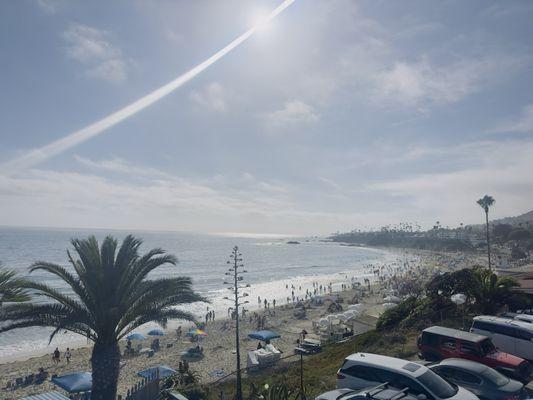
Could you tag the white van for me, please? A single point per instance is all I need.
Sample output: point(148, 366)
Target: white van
point(509, 335)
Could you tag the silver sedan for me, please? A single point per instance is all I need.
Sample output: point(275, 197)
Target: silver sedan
point(479, 379)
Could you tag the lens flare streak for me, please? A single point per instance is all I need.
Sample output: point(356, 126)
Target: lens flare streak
point(59, 146)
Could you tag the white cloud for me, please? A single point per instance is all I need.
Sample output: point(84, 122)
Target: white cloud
point(293, 112)
point(49, 6)
point(498, 168)
point(423, 82)
point(523, 124)
point(213, 97)
point(92, 48)
point(118, 165)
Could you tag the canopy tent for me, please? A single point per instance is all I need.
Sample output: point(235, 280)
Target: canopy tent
point(47, 396)
point(156, 332)
point(392, 299)
point(74, 383)
point(163, 370)
point(264, 335)
point(136, 336)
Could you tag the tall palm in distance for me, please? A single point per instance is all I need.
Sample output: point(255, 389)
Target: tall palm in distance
point(111, 297)
point(485, 203)
point(10, 287)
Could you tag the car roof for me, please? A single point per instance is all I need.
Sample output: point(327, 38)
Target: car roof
point(456, 333)
point(524, 316)
point(390, 363)
point(505, 321)
point(464, 364)
point(386, 393)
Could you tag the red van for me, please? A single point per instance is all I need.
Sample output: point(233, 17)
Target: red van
point(437, 343)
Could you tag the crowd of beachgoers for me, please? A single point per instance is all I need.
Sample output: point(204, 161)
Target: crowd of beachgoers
point(218, 341)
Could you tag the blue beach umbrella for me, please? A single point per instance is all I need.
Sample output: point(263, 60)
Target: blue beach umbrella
point(74, 383)
point(156, 332)
point(136, 336)
point(164, 372)
point(264, 335)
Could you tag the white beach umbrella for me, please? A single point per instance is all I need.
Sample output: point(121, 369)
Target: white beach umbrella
point(392, 299)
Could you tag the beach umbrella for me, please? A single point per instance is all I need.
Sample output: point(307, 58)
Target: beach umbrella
point(156, 332)
point(198, 332)
point(74, 383)
point(264, 335)
point(388, 306)
point(342, 317)
point(356, 307)
point(136, 336)
point(164, 371)
point(392, 299)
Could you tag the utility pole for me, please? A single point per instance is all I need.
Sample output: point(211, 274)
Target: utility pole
point(235, 278)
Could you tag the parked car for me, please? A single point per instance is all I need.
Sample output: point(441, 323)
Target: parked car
point(510, 335)
point(524, 318)
point(485, 382)
point(437, 343)
point(380, 392)
point(361, 370)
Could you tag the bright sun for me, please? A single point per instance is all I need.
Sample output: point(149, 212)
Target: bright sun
point(259, 20)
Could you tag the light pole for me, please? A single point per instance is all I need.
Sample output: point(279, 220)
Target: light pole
point(235, 276)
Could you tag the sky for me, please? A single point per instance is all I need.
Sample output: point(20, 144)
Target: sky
point(338, 114)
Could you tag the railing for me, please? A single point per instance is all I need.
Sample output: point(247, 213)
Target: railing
point(147, 389)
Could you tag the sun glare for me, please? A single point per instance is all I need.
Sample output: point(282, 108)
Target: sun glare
point(260, 20)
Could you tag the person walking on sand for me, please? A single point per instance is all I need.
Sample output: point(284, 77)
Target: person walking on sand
point(57, 356)
point(68, 354)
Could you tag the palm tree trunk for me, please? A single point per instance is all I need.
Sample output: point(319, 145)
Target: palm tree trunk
point(105, 363)
point(488, 236)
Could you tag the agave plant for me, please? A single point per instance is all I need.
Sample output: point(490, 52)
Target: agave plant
point(111, 296)
point(274, 392)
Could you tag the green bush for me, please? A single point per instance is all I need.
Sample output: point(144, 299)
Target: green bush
point(392, 317)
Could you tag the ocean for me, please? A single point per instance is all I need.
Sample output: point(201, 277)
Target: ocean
point(271, 263)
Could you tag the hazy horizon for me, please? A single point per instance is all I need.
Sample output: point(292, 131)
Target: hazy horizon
point(335, 115)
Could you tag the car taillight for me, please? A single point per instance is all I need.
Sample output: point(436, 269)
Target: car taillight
point(340, 376)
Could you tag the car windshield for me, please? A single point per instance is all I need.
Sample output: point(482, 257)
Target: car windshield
point(437, 385)
point(487, 346)
point(495, 377)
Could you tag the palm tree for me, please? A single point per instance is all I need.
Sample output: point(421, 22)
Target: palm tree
point(485, 203)
point(111, 296)
point(489, 290)
point(10, 287)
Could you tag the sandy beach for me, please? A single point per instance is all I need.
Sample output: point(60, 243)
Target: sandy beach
point(219, 345)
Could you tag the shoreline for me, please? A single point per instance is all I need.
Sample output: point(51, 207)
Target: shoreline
point(219, 345)
point(29, 349)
